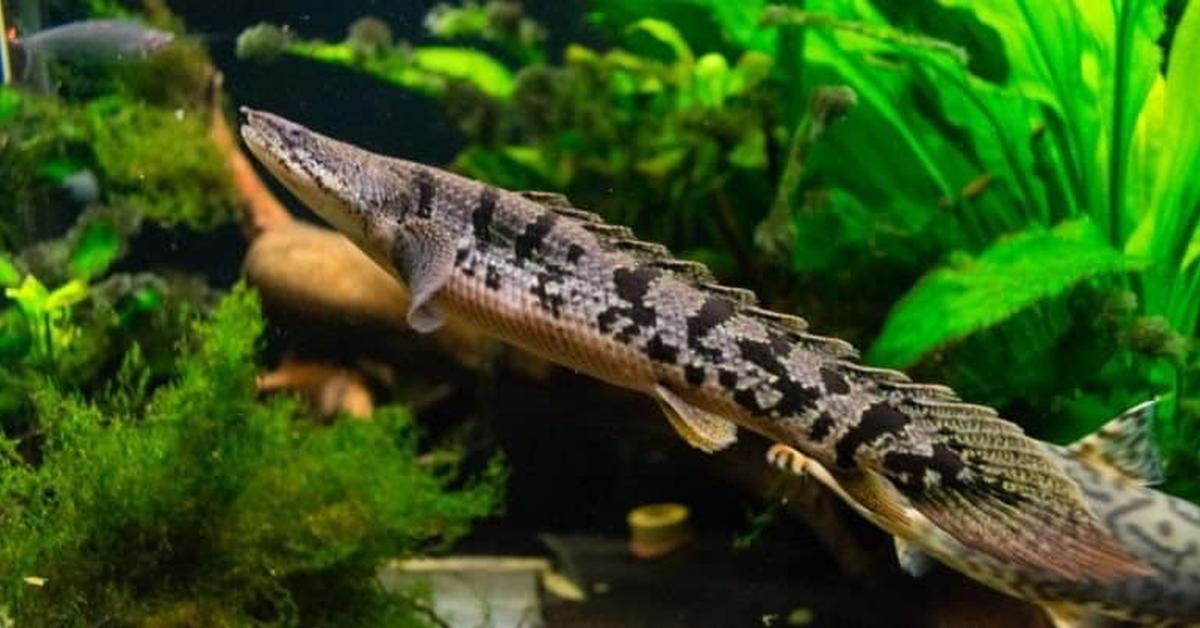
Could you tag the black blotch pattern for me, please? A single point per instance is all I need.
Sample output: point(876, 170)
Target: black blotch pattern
point(712, 313)
point(835, 383)
point(532, 237)
point(485, 212)
point(876, 421)
point(746, 398)
point(575, 253)
point(660, 351)
point(460, 256)
point(727, 378)
point(632, 285)
point(491, 278)
point(909, 469)
point(693, 374)
point(425, 192)
point(552, 301)
point(795, 398)
point(821, 427)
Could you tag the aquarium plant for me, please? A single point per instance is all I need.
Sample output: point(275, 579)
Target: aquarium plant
point(196, 503)
point(145, 480)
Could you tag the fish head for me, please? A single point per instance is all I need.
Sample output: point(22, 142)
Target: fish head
point(367, 197)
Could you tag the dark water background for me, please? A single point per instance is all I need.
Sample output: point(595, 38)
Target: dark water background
point(347, 105)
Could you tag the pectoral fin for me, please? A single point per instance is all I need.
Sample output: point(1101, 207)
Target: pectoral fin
point(424, 257)
point(786, 458)
point(701, 429)
point(913, 561)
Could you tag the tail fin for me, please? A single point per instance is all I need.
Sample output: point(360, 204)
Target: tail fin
point(996, 490)
point(1125, 445)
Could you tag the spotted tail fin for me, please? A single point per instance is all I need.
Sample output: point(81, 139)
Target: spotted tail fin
point(1125, 445)
point(995, 489)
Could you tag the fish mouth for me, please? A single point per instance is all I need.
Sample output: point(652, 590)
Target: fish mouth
point(263, 134)
point(283, 148)
point(307, 164)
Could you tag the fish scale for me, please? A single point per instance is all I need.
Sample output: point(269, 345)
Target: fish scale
point(554, 280)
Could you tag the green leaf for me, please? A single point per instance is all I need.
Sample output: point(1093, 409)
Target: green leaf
point(9, 275)
point(712, 81)
point(664, 37)
point(66, 295)
point(710, 24)
point(466, 64)
point(951, 303)
point(58, 169)
point(425, 70)
point(1167, 235)
point(30, 296)
point(751, 152)
point(98, 246)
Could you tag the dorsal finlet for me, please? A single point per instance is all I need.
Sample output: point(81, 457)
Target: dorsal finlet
point(741, 295)
point(835, 347)
point(876, 373)
point(788, 321)
point(652, 250)
point(548, 199)
point(694, 271)
point(1125, 444)
point(608, 230)
point(933, 391)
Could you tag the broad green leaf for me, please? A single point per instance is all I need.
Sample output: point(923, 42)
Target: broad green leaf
point(1091, 66)
point(424, 69)
point(66, 295)
point(97, 247)
point(1170, 227)
point(1150, 140)
point(30, 296)
point(951, 303)
point(466, 64)
point(9, 275)
point(712, 81)
point(664, 37)
point(58, 169)
point(711, 25)
point(751, 152)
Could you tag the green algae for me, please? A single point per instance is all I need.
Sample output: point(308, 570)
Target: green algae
point(196, 502)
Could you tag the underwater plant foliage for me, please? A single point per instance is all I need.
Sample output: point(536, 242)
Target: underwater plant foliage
point(145, 482)
point(195, 503)
point(123, 141)
point(993, 206)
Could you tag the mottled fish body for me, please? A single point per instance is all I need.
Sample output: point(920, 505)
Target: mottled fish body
point(1114, 469)
point(538, 273)
point(94, 41)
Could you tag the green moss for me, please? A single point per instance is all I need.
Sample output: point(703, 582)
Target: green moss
point(157, 162)
point(197, 504)
point(160, 163)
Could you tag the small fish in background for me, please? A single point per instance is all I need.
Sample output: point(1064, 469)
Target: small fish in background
point(92, 41)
